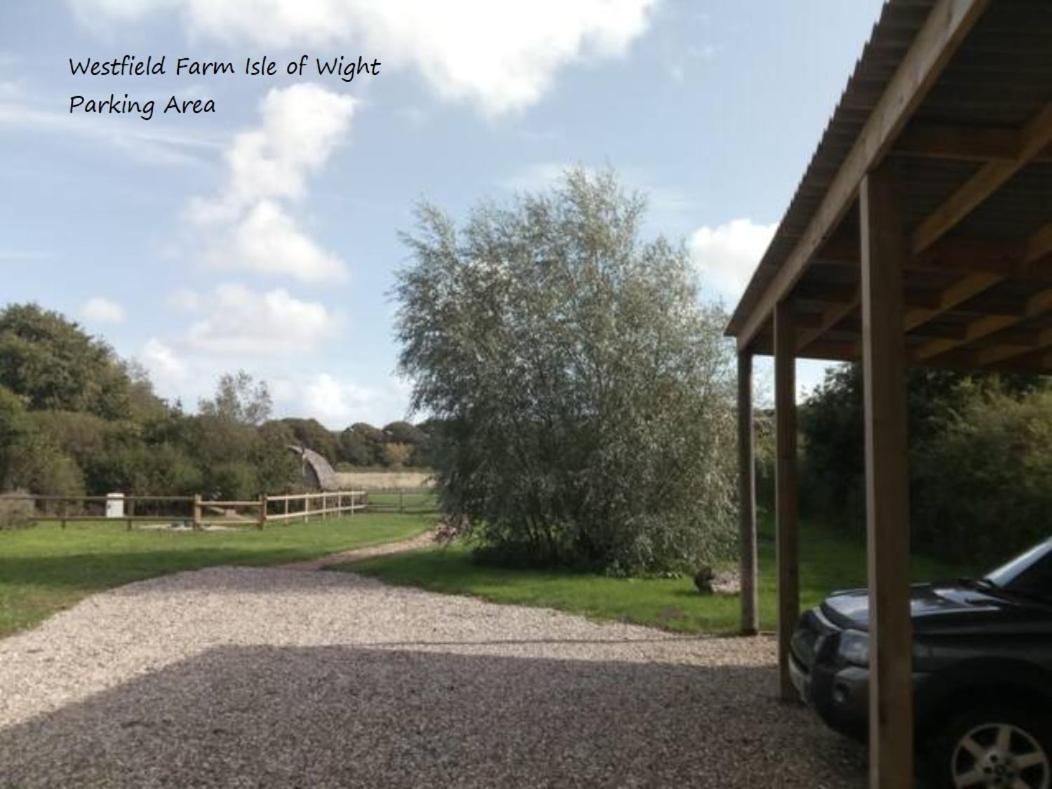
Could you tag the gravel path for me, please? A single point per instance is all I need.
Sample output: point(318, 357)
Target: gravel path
point(279, 677)
point(383, 549)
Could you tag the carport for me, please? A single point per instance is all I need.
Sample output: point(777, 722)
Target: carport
point(920, 234)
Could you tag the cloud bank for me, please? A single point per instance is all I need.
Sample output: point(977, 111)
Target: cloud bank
point(248, 225)
point(727, 255)
point(501, 57)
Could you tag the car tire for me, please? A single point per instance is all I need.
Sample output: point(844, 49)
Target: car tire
point(993, 746)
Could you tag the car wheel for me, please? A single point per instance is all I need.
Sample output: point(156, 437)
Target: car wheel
point(999, 747)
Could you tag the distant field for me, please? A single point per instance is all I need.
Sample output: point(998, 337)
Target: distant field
point(414, 500)
point(45, 568)
point(384, 480)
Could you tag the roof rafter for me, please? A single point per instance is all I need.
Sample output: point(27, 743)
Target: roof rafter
point(1034, 137)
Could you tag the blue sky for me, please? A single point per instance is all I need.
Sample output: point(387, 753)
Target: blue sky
point(263, 236)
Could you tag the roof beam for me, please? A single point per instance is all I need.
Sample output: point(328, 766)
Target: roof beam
point(1036, 248)
point(947, 25)
point(1001, 353)
point(1034, 137)
point(831, 316)
point(963, 143)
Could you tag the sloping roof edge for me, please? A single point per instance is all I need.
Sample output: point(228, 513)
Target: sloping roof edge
point(891, 37)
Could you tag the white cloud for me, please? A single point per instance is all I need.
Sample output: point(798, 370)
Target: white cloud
point(166, 368)
point(499, 56)
point(728, 254)
point(184, 299)
point(244, 226)
point(269, 241)
point(338, 403)
point(244, 321)
point(181, 371)
point(102, 310)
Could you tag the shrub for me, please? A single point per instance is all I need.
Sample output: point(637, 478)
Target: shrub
point(983, 484)
point(586, 397)
point(15, 513)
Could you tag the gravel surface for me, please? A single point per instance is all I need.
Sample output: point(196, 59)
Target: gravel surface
point(355, 554)
point(279, 677)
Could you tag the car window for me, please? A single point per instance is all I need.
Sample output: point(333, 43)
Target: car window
point(1029, 574)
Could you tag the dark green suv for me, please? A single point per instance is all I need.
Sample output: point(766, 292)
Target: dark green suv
point(982, 672)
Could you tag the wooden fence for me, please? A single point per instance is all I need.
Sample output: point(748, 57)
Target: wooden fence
point(195, 511)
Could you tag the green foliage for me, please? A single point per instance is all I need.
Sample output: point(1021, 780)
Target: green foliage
point(14, 428)
point(239, 399)
point(355, 449)
point(983, 483)
point(588, 398)
point(312, 434)
point(979, 472)
point(397, 455)
point(74, 418)
point(53, 364)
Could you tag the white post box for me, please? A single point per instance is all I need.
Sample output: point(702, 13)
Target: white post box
point(114, 505)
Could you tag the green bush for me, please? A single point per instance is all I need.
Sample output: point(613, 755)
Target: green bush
point(983, 483)
point(15, 513)
point(979, 460)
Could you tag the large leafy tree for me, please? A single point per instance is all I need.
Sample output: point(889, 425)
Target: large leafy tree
point(585, 396)
point(54, 365)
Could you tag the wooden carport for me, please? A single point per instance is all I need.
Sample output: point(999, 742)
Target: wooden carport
point(921, 234)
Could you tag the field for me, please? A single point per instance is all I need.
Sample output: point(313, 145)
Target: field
point(828, 561)
point(406, 500)
point(45, 568)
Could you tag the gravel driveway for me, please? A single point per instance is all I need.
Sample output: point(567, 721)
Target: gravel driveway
point(281, 677)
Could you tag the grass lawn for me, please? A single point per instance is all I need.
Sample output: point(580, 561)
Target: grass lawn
point(828, 561)
point(45, 568)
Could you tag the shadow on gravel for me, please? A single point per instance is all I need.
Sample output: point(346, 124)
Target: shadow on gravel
point(343, 716)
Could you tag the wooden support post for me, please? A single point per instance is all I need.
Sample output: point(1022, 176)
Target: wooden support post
point(130, 512)
point(261, 522)
point(785, 491)
point(747, 496)
point(285, 521)
point(197, 512)
point(884, 249)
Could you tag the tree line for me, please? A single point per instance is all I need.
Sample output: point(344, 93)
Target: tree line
point(76, 419)
point(980, 460)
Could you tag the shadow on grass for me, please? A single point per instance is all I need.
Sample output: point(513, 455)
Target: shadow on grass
point(353, 716)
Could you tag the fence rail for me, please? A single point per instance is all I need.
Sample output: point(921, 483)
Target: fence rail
point(198, 512)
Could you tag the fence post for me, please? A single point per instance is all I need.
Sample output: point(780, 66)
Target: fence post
point(306, 507)
point(130, 512)
point(285, 522)
point(401, 500)
point(62, 510)
point(197, 512)
point(262, 511)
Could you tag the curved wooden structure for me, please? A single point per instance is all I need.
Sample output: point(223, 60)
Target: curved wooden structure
point(920, 234)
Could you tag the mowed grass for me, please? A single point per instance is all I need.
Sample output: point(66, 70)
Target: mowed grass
point(828, 561)
point(45, 568)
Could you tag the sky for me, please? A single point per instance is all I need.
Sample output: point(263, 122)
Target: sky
point(264, 235)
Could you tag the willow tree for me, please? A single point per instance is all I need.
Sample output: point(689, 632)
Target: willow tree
point(585, 391)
